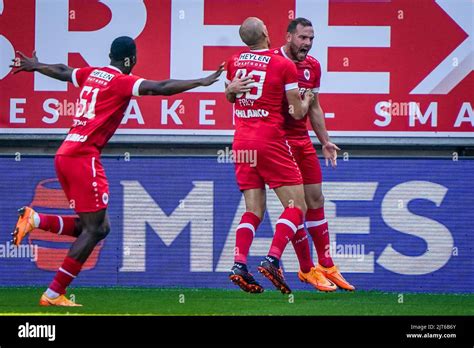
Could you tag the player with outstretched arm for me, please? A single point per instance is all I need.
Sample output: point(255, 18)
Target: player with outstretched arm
point(105, 94)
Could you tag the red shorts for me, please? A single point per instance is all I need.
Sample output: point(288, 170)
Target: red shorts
point(258, 163)
point(83, 181)
point(307, 159)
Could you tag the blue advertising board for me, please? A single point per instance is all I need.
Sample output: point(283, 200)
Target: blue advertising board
point(396, 224)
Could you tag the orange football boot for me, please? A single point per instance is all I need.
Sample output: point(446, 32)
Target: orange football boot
point(24, 225)
point(317, 279)
point(336, 277)
point(61, 301)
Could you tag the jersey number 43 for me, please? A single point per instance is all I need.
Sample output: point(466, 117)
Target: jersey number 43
point(241, 73)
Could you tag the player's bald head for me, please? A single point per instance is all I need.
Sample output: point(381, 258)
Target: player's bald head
point(252, 31)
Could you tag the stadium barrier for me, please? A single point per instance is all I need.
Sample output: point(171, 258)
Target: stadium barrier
point(396, 224)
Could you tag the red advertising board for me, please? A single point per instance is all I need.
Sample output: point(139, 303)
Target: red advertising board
point(389, 68)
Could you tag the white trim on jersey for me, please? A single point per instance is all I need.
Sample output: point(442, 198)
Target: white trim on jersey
point(288, 223)
point(247, 225)
point(136, 87)
point(114, 68)
point(93, 167)
point(289, 149)
point(283, 52)
point(74, 77)
point(316, 90)
point(300, 227)
point(290, 86)
point(262, 50)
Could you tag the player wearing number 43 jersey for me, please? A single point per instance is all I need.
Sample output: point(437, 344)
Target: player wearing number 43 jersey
point(259, 118)
point(105, 94)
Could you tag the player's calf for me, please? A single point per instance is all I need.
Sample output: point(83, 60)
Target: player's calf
point(29, 219)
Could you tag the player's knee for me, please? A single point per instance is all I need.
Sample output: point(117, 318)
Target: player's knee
point(320, 201)
point(315, 202)
point(103, 231)
point(301, 205)
point(99, 232)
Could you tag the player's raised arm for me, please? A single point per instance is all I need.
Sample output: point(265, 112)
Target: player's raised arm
point(170, 87)
point(298, 108)
point(56, 71)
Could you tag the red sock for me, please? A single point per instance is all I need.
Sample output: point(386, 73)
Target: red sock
point(301, 245)
point(318, 229)
point(286, 227)
point(64, 225)
point(244, 236)
point(65, 275)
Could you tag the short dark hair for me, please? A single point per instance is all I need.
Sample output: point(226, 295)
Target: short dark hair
point(123, 47)
point(300, 20)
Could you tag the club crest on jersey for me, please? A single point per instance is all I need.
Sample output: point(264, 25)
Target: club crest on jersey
point(105, 198)
point(306, 74)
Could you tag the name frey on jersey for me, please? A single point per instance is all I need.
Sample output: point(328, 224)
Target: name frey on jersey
point(254, 57)
point(37, 331)
point(102, 75)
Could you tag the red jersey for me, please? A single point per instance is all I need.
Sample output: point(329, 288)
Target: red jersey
point(259, 113)
point(309, 77)
point(102, 102)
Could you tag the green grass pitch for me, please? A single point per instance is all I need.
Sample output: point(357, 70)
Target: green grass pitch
point(173, 301)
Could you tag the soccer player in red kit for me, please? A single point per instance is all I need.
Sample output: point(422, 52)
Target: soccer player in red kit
point(325, 276)
point(259, 118)
point(105, 94)
point(299, 41)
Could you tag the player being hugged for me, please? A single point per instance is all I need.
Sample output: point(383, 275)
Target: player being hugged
point(104, 97)
point(268, 80)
